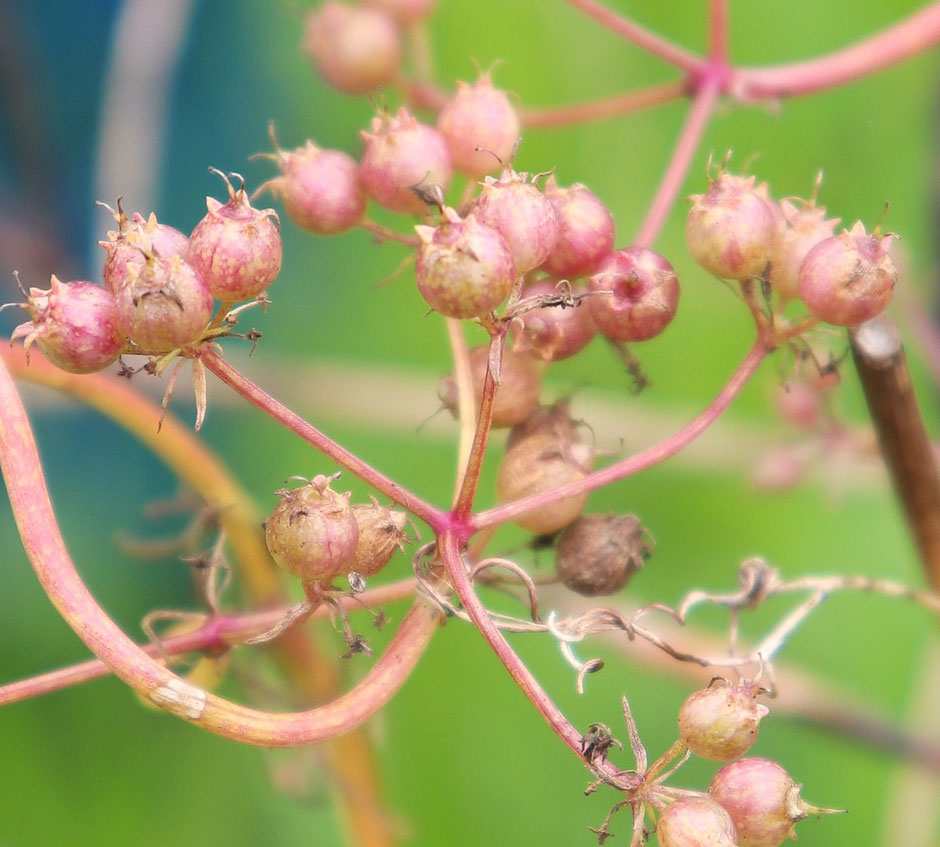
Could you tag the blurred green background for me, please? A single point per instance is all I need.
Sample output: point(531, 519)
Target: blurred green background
point(465, 761)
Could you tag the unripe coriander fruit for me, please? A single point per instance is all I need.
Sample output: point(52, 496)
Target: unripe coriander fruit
point(74, 324)
point(597, 554)
point(479, 116)
point(163, 304)
point(520, 382)
point(355, 48)
point(518, 211)
point(644, 298)
point(849, 278)
point(402, 153)
point(312, 532)
point(321, 190)
point(798, 231)
point(556, 331)
point(730, 228)
point(695, 822)
point(762, 800)
point(721, 722)
point(463, 268)
point(381, 533)
point(133, 239)
point(585, 231)
point(538, 464)
point(235, 247)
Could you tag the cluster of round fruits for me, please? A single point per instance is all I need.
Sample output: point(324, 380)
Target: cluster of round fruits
point(159, 286)
point(737, 232)
point(315, 534)
point(751, 802)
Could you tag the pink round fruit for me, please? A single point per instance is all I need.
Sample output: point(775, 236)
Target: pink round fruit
point(644, 295)
point(730, 228)
point(355, 48)
point(403, 154)
point(585, 231)
point(798, 231)
point(236, 248)
point(721, 722)
point(133, 239)
point(694, 821)
point(163, 304)
point(74, 324)
point(521, 214)
point(321, 190)
point(762, 800)
point(463, 269)
point(849, 278)
point(481, 127)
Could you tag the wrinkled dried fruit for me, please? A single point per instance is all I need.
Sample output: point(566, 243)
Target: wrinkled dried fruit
point(598, 554)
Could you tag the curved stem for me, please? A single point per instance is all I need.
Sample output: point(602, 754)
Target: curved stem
point(215, 634)
point(689, 137)
point(431, 515)
point(633, 464)
point(350, 759)
point(449, 551)
point(902, 41)
point(42, 541)
point(606, 107)
point(624, 27)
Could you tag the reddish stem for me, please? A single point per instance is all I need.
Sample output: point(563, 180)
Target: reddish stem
point(718, 31)
point(431, 515)
point(678, 166)
point(384, 233)
point(216, 634)
point(471, 476)
point(895, 44)
point(652, 43)
point(633, 464)
point(42, 541)
point(448, 548)
point(606, 107)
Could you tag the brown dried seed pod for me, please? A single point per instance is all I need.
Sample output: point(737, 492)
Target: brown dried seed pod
point(312, 532)
point(555, 419)
point(540, 463)
point(381, 533)
point(598, 554)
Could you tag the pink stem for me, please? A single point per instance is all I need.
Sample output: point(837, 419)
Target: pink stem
point(672, 180)
point(42, 541)
point(633, 464)
point(895, 44)
point(448, 548)
point(471, 476)
point(607, 107)
point(215, 634)
point(718, 31)
point(631, 31)
point(431, 515)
